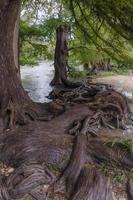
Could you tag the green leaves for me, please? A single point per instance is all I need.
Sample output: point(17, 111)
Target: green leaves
point(99, 29)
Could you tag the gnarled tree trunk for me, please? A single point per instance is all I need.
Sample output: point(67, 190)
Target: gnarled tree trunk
point(61, 55)
point(14, 101)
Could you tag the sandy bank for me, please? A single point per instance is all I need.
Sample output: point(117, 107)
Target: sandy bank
point(119, 82)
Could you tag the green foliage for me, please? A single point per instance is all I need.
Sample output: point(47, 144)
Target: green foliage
point(92, 18)
point(116, 15)
point(105, 73)
point(34, 44)
point(37, 36)
point(28, 30)
point(76, 74)
point(31, 61)
point(99, 30)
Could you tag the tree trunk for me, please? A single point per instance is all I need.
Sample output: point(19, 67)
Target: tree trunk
point(14, 101)
point(102, 65)
point(61, 55)
point(16, 43)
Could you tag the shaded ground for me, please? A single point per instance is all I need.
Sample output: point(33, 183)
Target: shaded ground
point(40, 135)
point(72, 144)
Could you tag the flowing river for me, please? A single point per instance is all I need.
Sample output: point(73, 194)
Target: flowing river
point(36, 81)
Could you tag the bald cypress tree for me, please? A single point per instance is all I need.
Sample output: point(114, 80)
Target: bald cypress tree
point(15, 104)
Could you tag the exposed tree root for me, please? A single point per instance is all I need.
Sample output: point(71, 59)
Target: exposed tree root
point(101, 152)
point(72, 171)
point(26, 178)
point(38, 149)
point(129, 190)
point(85, 91)
point(112, 105)
point(39, 195)
point(4, 195)
point(91, 185)
point(30, 154)
point(18, 114)
point(103, 115)
point(40, 155)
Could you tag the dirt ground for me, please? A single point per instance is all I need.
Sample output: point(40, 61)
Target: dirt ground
point(119, 82)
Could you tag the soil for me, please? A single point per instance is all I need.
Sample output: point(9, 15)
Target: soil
point(119, 82)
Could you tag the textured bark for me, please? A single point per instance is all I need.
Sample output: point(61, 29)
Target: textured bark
point(61, 55)
point(4, 195)
point(16, 43)
point(30, 151)
point(129, 190)
point(77, 160)
point(92, 185)
point(13, 99)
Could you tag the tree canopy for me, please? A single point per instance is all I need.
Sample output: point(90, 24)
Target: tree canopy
point(101, 28)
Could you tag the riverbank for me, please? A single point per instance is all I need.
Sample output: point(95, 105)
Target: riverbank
point(120, 82)
point(35, 156)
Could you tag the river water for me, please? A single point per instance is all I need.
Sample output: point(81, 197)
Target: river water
point(36, 80)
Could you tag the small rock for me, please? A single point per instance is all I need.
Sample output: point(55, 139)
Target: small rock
point(10, 170)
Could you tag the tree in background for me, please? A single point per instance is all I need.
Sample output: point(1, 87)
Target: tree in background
point(92, 39)
point(61, 55)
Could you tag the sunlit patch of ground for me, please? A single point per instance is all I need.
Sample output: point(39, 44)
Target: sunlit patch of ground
point(119, 82)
